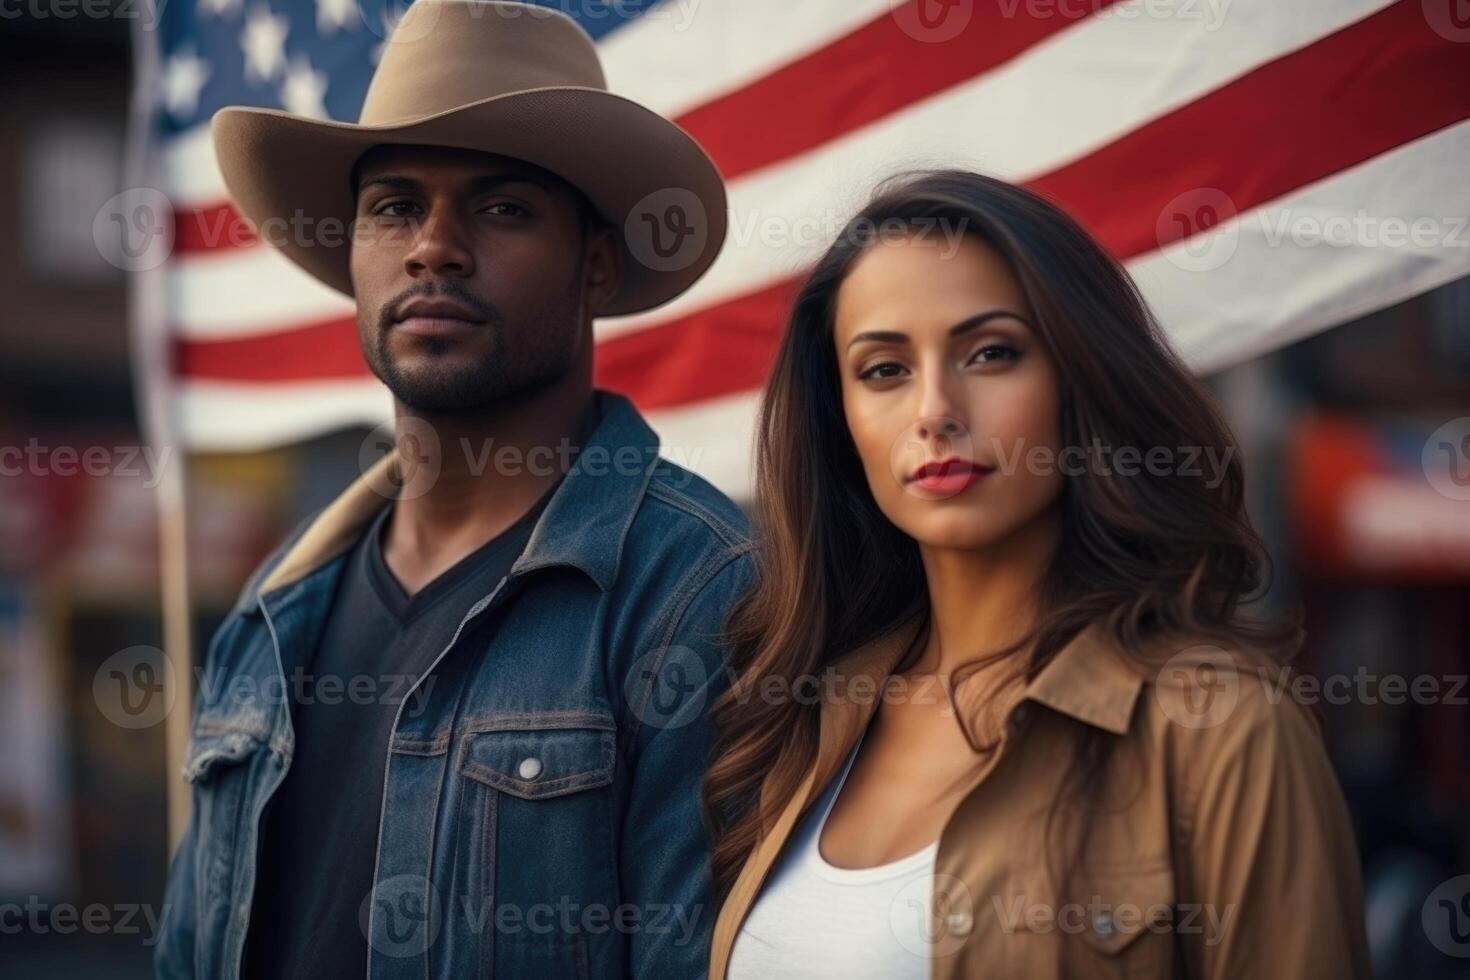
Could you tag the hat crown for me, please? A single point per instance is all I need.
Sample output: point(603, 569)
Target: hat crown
point(443, 54)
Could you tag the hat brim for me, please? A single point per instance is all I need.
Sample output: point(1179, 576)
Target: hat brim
point(622, 155)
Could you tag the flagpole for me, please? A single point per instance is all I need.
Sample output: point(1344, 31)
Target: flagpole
point(154, 388)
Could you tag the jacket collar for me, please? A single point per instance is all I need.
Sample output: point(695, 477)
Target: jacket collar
point(1087, 680)
point(583, 526)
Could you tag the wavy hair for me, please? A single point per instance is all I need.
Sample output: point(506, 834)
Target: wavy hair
point(1147, 554)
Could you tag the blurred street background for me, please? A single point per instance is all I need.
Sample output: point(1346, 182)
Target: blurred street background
point(1355, 434)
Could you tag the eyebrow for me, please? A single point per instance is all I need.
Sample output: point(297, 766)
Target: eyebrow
point(478, 184)
point(963, 327)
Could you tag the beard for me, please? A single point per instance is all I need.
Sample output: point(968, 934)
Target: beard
point(524, 356)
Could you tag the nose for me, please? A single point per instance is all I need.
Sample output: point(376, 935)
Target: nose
point(439, 248)
point(935, 426)
point(940, 414)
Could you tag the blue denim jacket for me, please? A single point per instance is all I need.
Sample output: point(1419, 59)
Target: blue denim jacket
point(541, 803)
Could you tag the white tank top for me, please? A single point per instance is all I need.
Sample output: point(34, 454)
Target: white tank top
point(814, 920)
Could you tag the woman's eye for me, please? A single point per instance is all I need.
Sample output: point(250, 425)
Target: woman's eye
point(996, 352)
point(883, 370)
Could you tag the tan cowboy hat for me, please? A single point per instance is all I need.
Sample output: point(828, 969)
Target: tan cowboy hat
point(513, 79)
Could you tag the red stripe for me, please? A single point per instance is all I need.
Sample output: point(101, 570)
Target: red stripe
point(739, 337)
point(879, 69)
point(199, 230)
point(721, 350)
point(1380, 83)
point(323, 351)
point(1361, 92)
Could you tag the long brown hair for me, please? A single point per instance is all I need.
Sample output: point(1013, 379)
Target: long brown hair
point(1148, 554)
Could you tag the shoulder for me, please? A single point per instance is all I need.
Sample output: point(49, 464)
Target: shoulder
point(1227, 720)
point(684, 533)
point(686, 557)
point(248, 599)
point(693, 506)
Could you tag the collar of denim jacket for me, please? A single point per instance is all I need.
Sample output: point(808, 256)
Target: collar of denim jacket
point(583, 526)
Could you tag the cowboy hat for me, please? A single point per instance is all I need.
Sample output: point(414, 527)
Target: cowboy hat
point(512, 79)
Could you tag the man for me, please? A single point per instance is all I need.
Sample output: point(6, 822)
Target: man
point(455, 725)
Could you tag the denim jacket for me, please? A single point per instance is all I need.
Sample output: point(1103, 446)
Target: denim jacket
point(540, 813)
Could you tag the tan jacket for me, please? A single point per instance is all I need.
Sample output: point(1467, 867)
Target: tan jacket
point(1228, 814)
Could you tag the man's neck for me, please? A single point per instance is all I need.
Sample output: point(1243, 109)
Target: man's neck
point(485, 473)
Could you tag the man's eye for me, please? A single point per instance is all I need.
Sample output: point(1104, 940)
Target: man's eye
point(389, 209)
point(507, 210)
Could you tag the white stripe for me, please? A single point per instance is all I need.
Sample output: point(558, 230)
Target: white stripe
point(190, 171)
point(1081, 89)
point(713, 438)
point(224, 417)
point(684, 53)
point(1269, 285)
point(1084, 82)
point(246, 292)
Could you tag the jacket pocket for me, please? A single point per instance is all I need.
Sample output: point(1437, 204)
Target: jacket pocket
point(537, 843)
point(209, 753)
point(542, 763)
point(1128, 921)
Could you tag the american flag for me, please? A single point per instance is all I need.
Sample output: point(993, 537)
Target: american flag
point(1265, 168)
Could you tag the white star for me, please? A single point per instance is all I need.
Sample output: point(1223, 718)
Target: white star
point(219, 7)
point(264, 42)
point(183, 78)
point(332, 14)
point(303, 89)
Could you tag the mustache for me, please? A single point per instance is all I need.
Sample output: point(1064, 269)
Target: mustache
point(449, 290)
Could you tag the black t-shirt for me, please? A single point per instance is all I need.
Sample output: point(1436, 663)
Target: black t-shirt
point(319, 833)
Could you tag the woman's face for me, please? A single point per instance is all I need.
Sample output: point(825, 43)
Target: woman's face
point(938, 362)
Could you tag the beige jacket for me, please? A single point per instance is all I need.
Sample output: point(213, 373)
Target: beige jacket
point(1223, 848)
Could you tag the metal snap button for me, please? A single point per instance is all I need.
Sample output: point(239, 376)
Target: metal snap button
point(530, 768)
point(1103, 924)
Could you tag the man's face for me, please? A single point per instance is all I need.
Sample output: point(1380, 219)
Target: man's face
point(475, 275)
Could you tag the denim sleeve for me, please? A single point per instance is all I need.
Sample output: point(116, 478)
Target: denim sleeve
point(665, 846)
point(173, 957)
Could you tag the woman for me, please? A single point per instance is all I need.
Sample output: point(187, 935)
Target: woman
point(997, 710)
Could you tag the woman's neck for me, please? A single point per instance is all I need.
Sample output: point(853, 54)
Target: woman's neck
point(981, 599)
